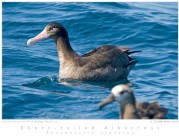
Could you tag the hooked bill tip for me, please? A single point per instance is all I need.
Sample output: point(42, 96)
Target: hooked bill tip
point(100, 107)
point(29, 42)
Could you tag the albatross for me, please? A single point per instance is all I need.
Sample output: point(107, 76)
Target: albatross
point(129, 109)
point(104, 63)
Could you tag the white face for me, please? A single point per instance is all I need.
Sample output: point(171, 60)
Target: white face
point(121, 93)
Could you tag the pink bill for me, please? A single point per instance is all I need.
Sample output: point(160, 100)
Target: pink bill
point(37, 38)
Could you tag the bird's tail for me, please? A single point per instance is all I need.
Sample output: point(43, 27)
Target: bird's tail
point(131, 64)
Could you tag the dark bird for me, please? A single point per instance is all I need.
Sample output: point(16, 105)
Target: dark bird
point(105, 63)
point(129, 109)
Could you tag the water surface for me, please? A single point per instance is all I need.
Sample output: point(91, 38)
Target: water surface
point(30, 74)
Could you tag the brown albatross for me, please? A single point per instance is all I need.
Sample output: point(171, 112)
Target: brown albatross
point(129, 109)
point(105, 63)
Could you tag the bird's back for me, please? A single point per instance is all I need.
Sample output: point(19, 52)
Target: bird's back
point(104, 63)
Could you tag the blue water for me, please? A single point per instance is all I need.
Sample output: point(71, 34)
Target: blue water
point(31, 89)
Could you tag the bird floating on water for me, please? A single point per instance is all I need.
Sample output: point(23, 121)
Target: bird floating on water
point(105, 63)
point(129, 109)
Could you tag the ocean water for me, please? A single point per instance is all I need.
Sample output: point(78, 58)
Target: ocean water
point(30, 86)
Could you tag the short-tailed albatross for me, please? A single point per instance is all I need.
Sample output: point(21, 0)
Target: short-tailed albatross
point(129, 109)
point(105, 63)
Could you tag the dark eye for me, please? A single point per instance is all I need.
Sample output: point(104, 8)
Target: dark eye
point(51, 28)
point(122, 92)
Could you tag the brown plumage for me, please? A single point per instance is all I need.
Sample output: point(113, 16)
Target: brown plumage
point(129, 109)
point(151, 110)
point(105, 63)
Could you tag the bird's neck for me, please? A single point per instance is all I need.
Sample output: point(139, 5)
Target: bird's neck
point(65, 51)
point(129, 110)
